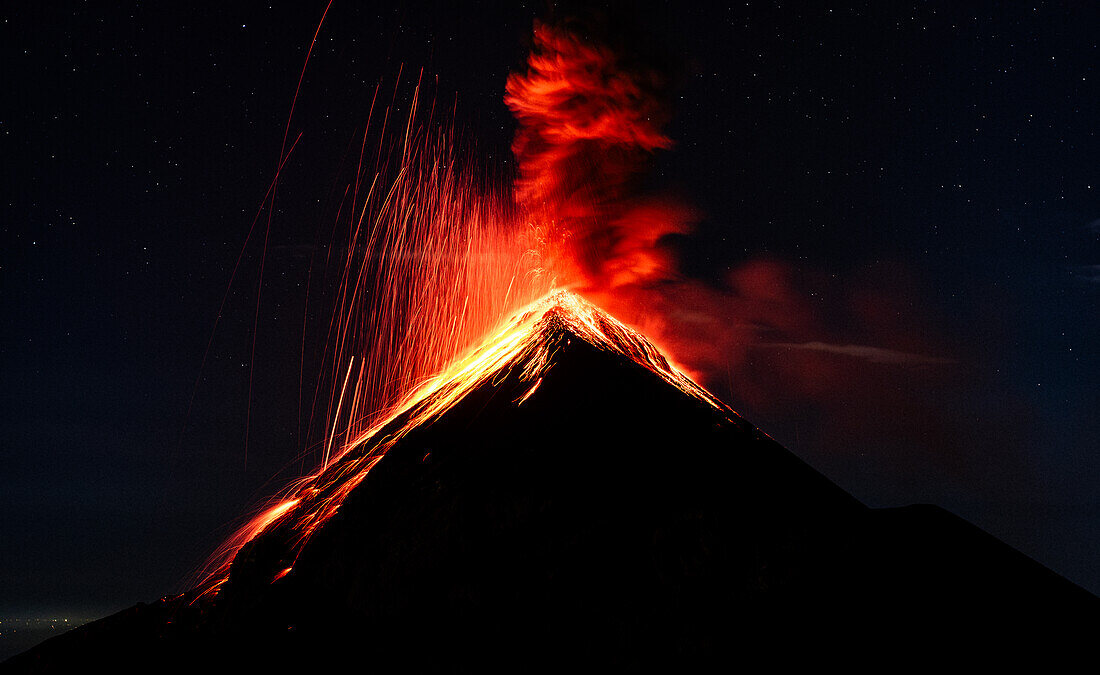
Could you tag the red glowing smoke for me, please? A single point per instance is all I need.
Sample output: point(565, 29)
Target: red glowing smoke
point(588, 125)
point(591, 118)
point(436, 261)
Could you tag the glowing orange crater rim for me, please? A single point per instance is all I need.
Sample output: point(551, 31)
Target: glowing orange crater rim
point(524, 342)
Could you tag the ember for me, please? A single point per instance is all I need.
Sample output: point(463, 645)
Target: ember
point(447, 280)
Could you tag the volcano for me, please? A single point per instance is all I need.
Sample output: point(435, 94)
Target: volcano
point(563, 496)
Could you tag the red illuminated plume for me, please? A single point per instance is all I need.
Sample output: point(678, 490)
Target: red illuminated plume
point(437, 262)
point(587, 126)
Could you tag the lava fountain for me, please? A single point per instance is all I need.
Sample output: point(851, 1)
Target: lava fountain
point(448, 275)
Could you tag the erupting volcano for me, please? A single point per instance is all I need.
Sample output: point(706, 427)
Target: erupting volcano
point(510, 477)
point(519, 356)
point(560, 494)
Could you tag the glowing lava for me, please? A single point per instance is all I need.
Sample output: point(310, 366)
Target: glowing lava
point(523, 346)
point(438, 256)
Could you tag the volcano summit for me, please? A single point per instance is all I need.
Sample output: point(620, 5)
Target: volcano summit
point(562, 496)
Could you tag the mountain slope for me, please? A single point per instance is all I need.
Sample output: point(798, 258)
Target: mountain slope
point(567, 496)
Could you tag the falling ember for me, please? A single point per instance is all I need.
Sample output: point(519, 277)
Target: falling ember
point(282, 573)
point(448, 282)
point(434, 262)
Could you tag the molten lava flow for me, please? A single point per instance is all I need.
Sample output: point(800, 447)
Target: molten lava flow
point(437, 257)
point(523, 345)
point(429, 258)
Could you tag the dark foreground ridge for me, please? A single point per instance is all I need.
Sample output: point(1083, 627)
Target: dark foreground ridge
point(610, 518)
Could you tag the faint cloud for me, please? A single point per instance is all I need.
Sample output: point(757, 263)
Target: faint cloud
point(870, 354)
point(1089, 273)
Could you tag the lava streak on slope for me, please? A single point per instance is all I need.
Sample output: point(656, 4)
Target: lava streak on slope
point(438, 258)
point(523, 347)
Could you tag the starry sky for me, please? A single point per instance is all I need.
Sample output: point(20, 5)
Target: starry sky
point(918, 181)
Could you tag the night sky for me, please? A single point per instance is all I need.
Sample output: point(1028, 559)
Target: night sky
point(921, 182)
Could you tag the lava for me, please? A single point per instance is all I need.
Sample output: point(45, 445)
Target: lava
point(450, 278)
point(524, 344)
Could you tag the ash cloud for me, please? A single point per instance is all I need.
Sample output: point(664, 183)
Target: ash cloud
point(590, 119)
point(839, 369)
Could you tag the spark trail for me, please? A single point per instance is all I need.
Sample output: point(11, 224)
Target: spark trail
point(524, 344)
point(449, 278)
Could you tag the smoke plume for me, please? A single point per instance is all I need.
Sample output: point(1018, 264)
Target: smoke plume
point(839, 365)
point(589, 122)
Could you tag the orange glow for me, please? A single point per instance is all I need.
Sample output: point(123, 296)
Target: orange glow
point(282, 573)
point(520, 345)
point(447, 282)
point(587, 126)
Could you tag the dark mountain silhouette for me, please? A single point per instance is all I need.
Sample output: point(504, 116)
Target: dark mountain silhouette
point(578, 505)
